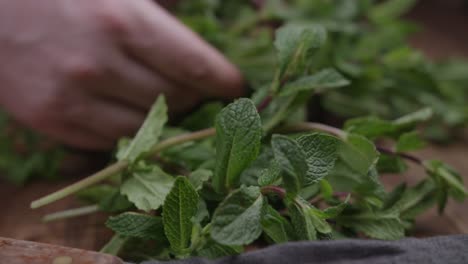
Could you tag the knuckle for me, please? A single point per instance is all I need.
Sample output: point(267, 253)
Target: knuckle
point(197, 68)
point(46, 110)
point(81, 68)
point(111, 20)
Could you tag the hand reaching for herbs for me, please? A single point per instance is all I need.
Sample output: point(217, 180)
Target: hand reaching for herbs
point(86, 72)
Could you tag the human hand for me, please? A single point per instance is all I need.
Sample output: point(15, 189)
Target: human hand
point(85, 72)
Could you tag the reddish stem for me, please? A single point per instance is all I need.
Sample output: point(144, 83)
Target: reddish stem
point(274, 189)
point(264, 104)
point(402, 155)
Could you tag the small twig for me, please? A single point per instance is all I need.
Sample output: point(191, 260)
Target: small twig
point(307, 126)
point(118, 167)
point(402, 155)
point(71, 213)
point(264, 103)
point(78, 186)
point(274, 189)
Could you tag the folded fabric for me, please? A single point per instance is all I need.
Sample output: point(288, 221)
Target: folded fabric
point(445, 249)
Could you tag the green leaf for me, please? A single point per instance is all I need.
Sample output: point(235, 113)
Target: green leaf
point(115, 202)
point(292, 161)
point(293, 43)
point(137, 225)
point(333, 211)
point(412, 201)
point(148, 135)
point(275, 226)
point(180, 206)
point(202, 212)
point(321, 153)
point(442, 171)
point(409, 142)
point(203, 118)
point(147, 189)
point(95, 194)
point(384, 225)
point(358, 153)
point(238, 135)
point(302, 222)
point(270, 175)
point(214, 250)
point(370, 127)
point(237, 220)
point(198, 177)
point(410, 120)
point(390, 10)
point(391, 164)
point(321, 81)
point(319, 223)
point(374, 127)
point(252, 174)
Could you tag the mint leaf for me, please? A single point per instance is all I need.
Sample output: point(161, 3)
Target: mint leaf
point(358, 153)
point(384, 225)
point(275, 226)
point(147, 188)
point(390, 10)
point(237, 220)
point(410, 120)
point(203, 118)
point(370, 127)
point(214, 250)
point(115, 202)
point(198, 177)
point(301, 221)
point(270, 175)
point(180, 206)
point(445, 175)
point(252, 174)
point(374, 127)
point(293, 43)
point(409, 202)
point(148, 135)
point(238, 135)
point(321, 153)
point(321, 81)
point(409, 142)
point(137, 225)
point(391, 164)
point(292, 161)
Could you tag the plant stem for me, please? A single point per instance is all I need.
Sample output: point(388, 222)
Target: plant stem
point(307, 126)
point(76, 187)
point(274, 189)
point(118, 167)
point(165, 144)
point(71, 213)
point(402, 155)
point(114, 245)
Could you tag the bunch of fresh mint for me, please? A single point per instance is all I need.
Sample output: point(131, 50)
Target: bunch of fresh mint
point(263, 174)
point(368, 42)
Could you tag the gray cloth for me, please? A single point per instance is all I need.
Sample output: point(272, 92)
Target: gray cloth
point(446, 250)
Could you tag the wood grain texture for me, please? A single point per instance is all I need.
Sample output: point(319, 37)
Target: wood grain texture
point(22, 252)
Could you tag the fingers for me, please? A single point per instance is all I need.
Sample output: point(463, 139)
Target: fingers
point(107, 119)
point(77, 136)
point(166, 46)
point(135, 86)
